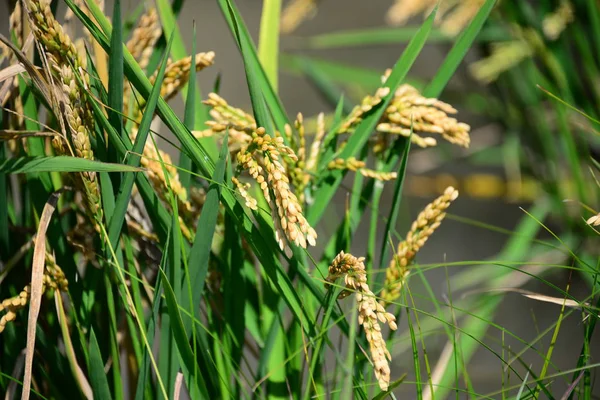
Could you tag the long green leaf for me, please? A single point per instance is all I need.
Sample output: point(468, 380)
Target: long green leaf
point(341, 73)
point(144, 376)
point(195, 381)
point(390, 224)
point(189, 119)
point(244, 41)
point(98, 379)
point(256, 87)
point(115, 72)
point(122, 145)
point(124, 195)
point(168, 16)
point(235, 290)
point(169, 22)
point(24, 165)
point(268, 41)
point(169, 356)
point(380, 36)
point(200, 252)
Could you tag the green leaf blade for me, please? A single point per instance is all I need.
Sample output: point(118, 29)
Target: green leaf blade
point(24, 165)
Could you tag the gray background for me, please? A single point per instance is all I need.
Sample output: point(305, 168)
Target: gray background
point(454, 241)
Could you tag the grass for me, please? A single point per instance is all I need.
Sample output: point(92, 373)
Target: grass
point(125, 274)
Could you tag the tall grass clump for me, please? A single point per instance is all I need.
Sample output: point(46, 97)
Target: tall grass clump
point(128, 273)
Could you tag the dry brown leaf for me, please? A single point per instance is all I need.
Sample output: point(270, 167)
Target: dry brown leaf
point(37, 277)
point(9, 134)
point(178, 386)
point(37, 78)
point(535, 296)
point(11, 71)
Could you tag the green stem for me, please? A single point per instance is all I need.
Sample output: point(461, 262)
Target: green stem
point(268, 41)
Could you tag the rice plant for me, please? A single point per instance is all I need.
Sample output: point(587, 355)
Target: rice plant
point(128, 273)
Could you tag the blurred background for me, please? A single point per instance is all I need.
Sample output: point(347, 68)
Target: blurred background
point(480, 222)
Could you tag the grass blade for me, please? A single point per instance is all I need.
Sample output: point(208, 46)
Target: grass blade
point(168, 16)
point(196, 386)
point(382, 36)
point(115, 73)
point(37, 276)
point(116, 222)
point(256, 87)
point(268, 42)
point(244, 41)
point(25, 165)
point(390, 224)
point(171, 29)
point(200, 251)
point(189, 119)
point(169, 355)
point(98, 379)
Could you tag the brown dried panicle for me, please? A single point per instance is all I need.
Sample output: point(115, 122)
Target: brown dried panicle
point(16, 24)
point(422, 228)
point(54, 278)
point(263, 159)
point(370, 312)
point(72, 83)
